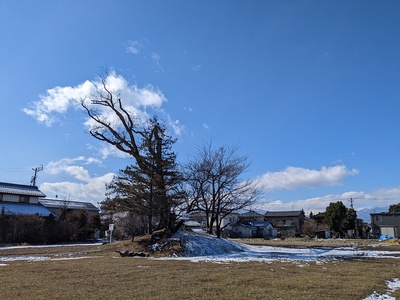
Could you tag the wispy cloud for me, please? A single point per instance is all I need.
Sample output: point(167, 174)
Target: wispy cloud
point(205, 126)
point(109, 150)
point(155, 57)
point(294, 177)
point(196, 67)
point(133, 47)
point(145, 50)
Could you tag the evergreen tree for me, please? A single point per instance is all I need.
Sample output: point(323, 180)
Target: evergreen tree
point(335, 215)
point(394, 208)
point(349, 222)
point(149, 188)
point(149, 145)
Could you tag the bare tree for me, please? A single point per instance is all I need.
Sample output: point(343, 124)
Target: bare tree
point(147, 143)
point(217, 189)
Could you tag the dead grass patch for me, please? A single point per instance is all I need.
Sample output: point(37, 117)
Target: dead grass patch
point(106, 275)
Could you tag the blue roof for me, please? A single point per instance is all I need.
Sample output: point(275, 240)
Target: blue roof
point(24, 209)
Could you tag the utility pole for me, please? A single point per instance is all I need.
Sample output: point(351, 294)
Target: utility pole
point(351, 203)
point(34, 177)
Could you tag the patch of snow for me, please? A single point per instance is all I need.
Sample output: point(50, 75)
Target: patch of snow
point(196, 248)
point(204, 245)
point(392, 286)
point(38, 258)
point(50, 246)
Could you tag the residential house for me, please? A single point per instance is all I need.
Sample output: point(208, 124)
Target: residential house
point(57, 206)
point(255, 229)
point(385, 223)
point(193, 226)
point(21, 199)
point(288, 223)
point(251, 216)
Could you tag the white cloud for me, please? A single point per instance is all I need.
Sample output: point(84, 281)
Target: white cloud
point(57, 101)
point(295, 177)
point(177, 127)
point(109, 150)
point(316, 204)
point(72, 167)
point(83, 187)
point(361, 201)
point(205, 126)
point(91, 190)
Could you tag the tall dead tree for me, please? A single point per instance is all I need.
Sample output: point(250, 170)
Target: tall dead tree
point(147, 143)
point(217, 189)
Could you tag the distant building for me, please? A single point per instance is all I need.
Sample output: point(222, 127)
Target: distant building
point(57, 206)
point(288, 223)
point(21, 199)
point(385, 223)
point(255, 229)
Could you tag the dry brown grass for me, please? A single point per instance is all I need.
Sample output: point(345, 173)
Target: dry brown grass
point(106, 275)
point(366, 244)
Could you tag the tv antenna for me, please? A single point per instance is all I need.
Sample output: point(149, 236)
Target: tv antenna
point(34, 177)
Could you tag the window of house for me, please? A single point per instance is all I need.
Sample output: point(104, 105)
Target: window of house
point(287, 222)
point(24, 199)
point(1, 197)
point(378, 218)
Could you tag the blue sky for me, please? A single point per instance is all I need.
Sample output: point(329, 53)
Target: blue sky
point(309, 91)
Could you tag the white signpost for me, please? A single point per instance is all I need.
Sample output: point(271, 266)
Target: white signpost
point(185, 216)
point(110, 229)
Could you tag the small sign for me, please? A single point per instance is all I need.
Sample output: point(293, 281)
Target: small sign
point(185, 216)
point(111, 227)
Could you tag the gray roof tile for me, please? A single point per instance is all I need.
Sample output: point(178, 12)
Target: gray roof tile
point(20, 189)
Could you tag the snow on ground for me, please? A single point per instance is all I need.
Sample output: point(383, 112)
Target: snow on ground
point(197, 248)
point(41, 258)
point(49, 246)
point(392, 286)
point(37, 258)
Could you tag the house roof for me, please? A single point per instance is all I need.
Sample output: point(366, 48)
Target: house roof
point(57, 203)
point(251, 214)
point(20, 189)
point(385, 213)
point(24, 208)
point(192, 224)
point(293, 213)
point(256, 224)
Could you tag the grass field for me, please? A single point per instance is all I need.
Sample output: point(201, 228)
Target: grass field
point(101, 273)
